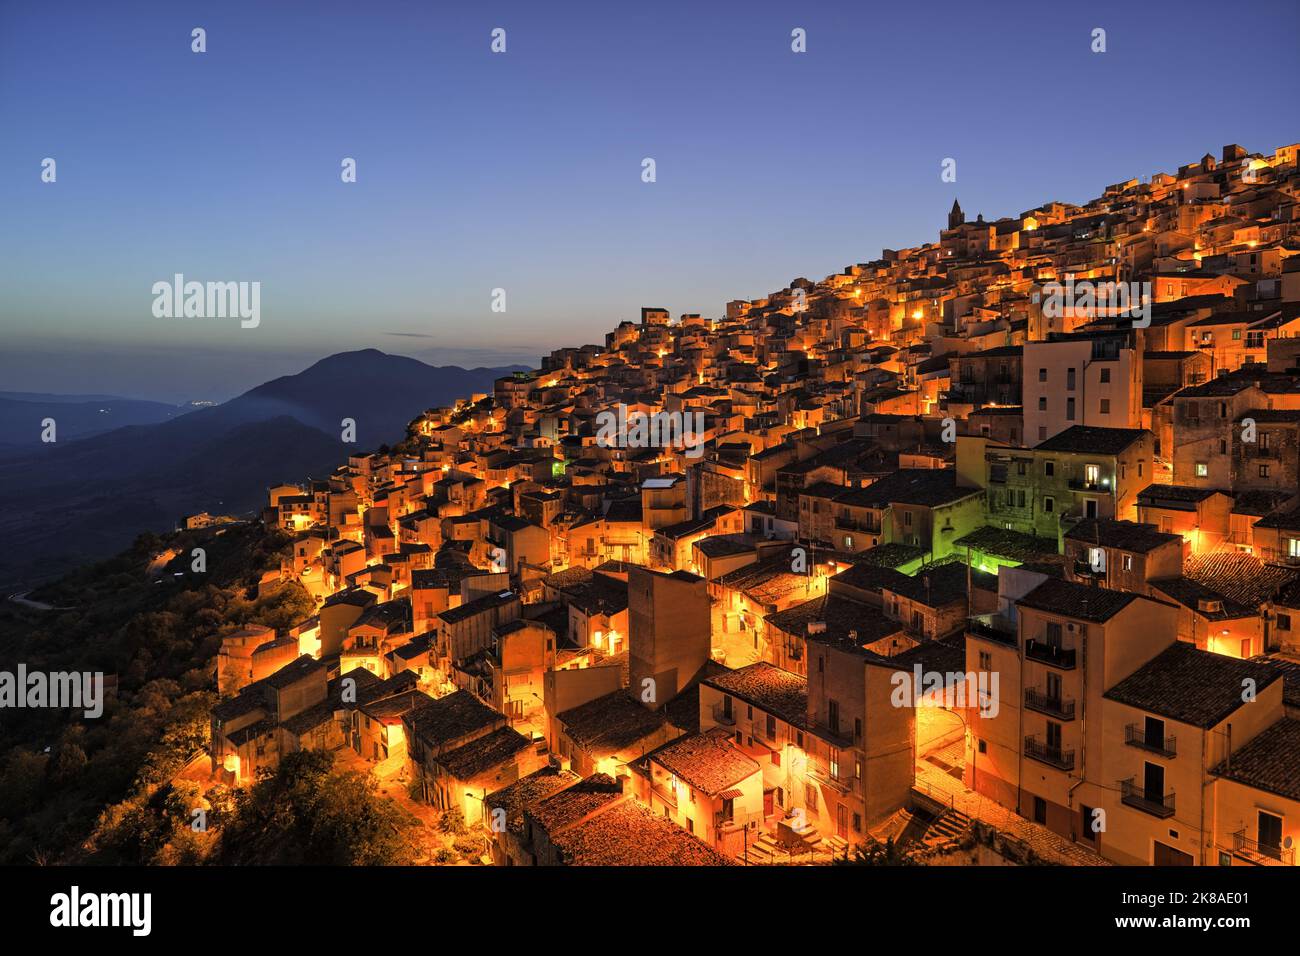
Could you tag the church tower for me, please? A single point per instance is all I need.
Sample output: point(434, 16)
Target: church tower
point(956, 217)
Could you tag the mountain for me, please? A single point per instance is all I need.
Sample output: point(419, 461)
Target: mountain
point(380, 392)
point(70, 502)
point(76, 416)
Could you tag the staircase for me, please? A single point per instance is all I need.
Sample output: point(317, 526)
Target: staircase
point(766, 850)
point(949, 826)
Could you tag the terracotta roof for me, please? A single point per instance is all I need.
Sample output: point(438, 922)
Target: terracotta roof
point(1269, 761)
point(483, 754)
point(610, 723)
point(708, 762)
point(769, 688)
point(1191, 686)
point(630, 835)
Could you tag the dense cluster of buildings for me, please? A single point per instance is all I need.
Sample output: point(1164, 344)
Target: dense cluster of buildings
point(1012, 517)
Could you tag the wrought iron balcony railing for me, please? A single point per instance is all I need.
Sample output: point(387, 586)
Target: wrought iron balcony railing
point(1158, 805)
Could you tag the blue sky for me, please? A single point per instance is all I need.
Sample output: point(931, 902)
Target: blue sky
point(522, 170)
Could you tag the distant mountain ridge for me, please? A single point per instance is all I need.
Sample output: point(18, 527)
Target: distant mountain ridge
point(75, 501)
point(76, 416)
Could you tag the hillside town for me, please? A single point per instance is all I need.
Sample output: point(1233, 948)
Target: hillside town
point(985, 550)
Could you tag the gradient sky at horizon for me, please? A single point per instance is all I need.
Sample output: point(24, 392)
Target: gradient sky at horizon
point(522, 170)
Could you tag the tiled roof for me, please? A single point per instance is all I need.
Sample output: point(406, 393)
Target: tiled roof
point(1240, 581)
point(610, 723)
point(450, 718)
point(631, 835)
point(769, 688)
point(483, 754)
point(1091, 439)
point(849, 625)
point(1012, 545)
point(928, 487)
point(573, 803)
point(708, 762)
point(1269, 761)
point(528, 791)
point(1191, 686)
point(1077, 600)
point(1125, 535)
point(1179, 497)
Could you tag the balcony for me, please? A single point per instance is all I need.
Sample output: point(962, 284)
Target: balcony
point(1264, 854)
point(723, 716)
point(1136, 736)
point(992, 626)
point(1083, 484)
point(1054, 654)
point(1059, 707)
point(1052, 756)
point(1158, 805)
point(838, 781)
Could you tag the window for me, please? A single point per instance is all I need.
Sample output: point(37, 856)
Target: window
point(1223, 446)
point(1049, 468)
point(1128, 562)
point(1087, 832)
point(983, 747)
point(1069, 379)
point(907, 518)
point(1040, 810)
point(857, 728)
point(1284, 622)
point(771, 727)
point(1049, 505)
point(1042, 432)
point(857, 823)
point(986, 661)
point(1105, 376)
point(1105, 406)
point(1270, 834)
point(1202, 469)
point(810, 794)
point(1042, 403)
point(1263, 471)
point(835, 763)
point(1042, 375)
point(833, 715)
point(1069, 409)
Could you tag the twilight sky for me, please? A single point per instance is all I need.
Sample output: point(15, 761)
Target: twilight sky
point(523, 170)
